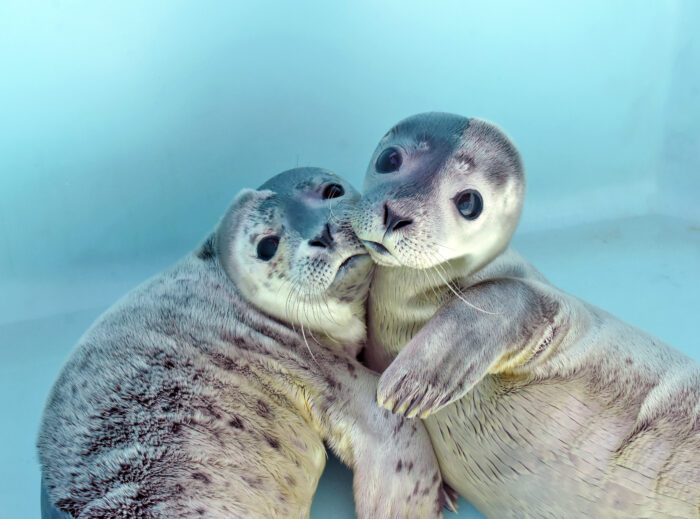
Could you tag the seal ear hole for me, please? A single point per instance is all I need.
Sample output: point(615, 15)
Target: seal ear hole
point(389, 160)
point(267, 247)
point(469, 204)
point(332, 191)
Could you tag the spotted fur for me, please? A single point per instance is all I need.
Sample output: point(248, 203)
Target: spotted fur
point(192, 398)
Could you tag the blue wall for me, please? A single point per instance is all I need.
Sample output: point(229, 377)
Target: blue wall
point(126, 127)
point(679, 177)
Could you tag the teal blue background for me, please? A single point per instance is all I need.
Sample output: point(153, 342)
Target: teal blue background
point(127, 127)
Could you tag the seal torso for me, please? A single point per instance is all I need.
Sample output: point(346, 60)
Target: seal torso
point(606, 423)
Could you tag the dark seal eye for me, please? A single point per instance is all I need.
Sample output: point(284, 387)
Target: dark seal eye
point(469, 204)
point(267, 247)
point(389, 160)
point(333, 191)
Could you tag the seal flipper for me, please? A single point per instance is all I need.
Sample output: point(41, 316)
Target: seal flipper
point(507, 322)
point(396, 473)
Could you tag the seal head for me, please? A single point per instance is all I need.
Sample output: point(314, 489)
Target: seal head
point(439, 187)
point(290, 249)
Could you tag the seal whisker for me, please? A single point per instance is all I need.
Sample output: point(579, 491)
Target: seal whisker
point(303, 334)
point(460, 296)
point(432, 282)
point(291, 299)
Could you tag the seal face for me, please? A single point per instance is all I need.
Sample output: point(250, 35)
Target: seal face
point(292, 252)
point(537, 403)
point(204, 393)
point(438, 187)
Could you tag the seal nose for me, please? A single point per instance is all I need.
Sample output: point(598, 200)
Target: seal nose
point(394, 222)
point(324, 240)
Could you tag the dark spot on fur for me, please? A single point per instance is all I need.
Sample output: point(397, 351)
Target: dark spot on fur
point(464, 158)
point(410, 466)
point(207, 251)
point(440, 504)
point(236, 422)
point(222, 361)
point(334, 384)
point(201, 511)
point(271, 441)
point(262, 409)
point(252, 482)
point(399, 466)
point(351, 370)
point(201, 476)
point(70, 506)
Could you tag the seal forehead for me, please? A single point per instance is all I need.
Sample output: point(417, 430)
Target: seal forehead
point(488, 148)
point(428, 140)
point(429, 127)
point(299, 179)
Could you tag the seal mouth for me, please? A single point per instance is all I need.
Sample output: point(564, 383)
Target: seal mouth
point(348, 263)
point(377, 247)
point(380, 253)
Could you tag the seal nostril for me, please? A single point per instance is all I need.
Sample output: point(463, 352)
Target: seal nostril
point(401, 223)
point(324, 240)
point(394, 222)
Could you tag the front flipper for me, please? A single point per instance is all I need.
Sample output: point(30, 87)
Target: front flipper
point(396, 472)
point(506, 323)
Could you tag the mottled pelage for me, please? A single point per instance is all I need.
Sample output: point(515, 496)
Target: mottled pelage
point(538, 404)
point(209, 391)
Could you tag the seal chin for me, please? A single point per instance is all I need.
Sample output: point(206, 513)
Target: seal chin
point(351, 282)
point(380, 254)
point(356, 265)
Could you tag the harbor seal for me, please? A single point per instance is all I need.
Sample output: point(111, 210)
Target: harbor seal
point(209, 390)
point(538, 404)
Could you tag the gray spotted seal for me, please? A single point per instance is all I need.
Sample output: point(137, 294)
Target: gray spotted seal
point(538, 404)
point(209, 390)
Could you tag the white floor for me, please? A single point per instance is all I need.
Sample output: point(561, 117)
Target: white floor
point(646, 270)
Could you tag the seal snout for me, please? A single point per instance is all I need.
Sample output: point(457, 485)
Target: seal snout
point(324, 239)
point(380, 254)
point(376, 247)
point(392, 221)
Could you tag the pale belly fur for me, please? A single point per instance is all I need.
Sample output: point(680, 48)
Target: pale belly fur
point(608, 427)
point(551, 450)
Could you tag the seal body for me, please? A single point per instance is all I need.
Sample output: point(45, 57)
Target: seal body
point(596, 418)
point(194, 396)
point(538, 404)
